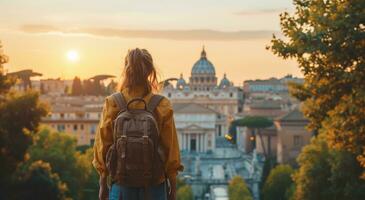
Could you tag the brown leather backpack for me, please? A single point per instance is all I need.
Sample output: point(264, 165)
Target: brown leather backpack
point(135, 158)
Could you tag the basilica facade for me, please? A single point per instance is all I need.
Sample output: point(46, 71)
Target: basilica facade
point(203, 106)
point(203, 88)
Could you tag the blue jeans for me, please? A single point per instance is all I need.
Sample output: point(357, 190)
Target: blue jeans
point(157, 192)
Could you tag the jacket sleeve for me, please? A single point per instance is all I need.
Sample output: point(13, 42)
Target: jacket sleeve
point(169, 141)
point(103, 139)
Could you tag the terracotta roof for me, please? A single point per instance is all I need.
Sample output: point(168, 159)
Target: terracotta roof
point(293, 116)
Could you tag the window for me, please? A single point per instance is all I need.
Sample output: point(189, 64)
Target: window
point(75, 127)
point(298, 140)
point(60, 127)
point(82, 127)
point(219, 130)
point(93, 129)
point(231, 94)
point(62, 115)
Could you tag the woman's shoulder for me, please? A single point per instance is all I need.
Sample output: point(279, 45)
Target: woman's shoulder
point(165, 106)
point(165, 102)
point(109, 102)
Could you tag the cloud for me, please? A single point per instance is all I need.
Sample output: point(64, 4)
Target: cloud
point(260, 12)
point(197, 34)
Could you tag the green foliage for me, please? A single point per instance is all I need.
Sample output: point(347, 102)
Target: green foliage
point(255, 122)
point(37, 181)
point(20, 116)
point(5, 83)
point(269, 164)
point(326, 173)
point(237, 189)
point(73, 167)
point(184, 193)
point(327, 38)
point(278, 183)
point(179, 183)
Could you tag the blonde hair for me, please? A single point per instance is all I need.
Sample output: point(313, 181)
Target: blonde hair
point(139, 70)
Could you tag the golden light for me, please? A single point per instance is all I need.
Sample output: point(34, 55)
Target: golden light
point(252, 138)
point(228, 137)
point(72, 55)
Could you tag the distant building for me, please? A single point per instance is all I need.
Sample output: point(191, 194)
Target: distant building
point(203, 89)
point(197, 127)
point(76, 116)
point(266, 108)
point(54, 87)
point(272, 85)
point(292, 136)
point(267, 143)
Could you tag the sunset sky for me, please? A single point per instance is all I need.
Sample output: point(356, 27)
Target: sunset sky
point(67, 38)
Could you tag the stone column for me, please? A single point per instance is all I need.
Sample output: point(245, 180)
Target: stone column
point(201, 142)
point(184, 141)
point(188, 141)
point(204, 142)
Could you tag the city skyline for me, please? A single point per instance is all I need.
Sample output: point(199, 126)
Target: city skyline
point(234, 33)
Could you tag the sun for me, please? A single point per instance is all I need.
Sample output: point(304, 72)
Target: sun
point(72, 55)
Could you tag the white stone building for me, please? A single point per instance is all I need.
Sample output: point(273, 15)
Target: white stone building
point(197, 127)
point(204, 89)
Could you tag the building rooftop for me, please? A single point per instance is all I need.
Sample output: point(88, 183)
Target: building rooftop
point(192, 108)
point(293, 116)
point(266, 104)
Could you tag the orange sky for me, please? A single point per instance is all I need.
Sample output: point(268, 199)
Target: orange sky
point(235, 39)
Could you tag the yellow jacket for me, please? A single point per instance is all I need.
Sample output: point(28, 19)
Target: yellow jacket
point(166, 125)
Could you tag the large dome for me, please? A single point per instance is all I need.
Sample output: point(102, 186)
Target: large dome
point(203, 65)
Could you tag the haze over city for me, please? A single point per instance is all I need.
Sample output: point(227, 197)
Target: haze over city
point(83, 38)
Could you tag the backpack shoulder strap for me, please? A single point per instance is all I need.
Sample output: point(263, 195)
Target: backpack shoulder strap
point(120, 100)
point(154, 101)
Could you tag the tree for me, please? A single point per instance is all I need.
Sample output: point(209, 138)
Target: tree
point(327, 173)
point(257, 123)
point(19, 118)
point(237, 189)
point(38, 181)
point(328, 41)
point(5, 82)
point(111, 88)
point(184, 193)
point(77, 89)
point(278, 183)
point(269, 164)
point(73, 167)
